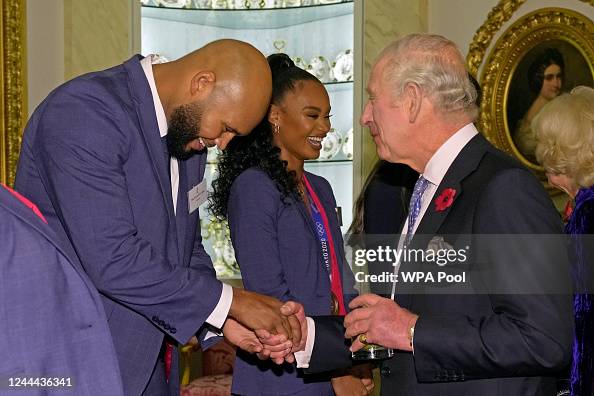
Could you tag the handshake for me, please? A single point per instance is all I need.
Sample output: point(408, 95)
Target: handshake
point(265, 326)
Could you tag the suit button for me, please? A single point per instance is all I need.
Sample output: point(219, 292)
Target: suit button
point(385, 371)
point(155, 319)
point(173, 330)
point(167, 327)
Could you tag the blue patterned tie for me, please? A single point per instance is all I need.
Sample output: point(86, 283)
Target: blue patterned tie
point(415, 206)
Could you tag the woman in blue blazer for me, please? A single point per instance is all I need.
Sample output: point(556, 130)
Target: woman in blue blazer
point(283, 223)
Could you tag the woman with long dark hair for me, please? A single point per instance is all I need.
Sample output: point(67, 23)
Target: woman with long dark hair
point(283, 224)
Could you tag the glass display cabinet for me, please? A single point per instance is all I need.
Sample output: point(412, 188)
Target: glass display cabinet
point(317, 34)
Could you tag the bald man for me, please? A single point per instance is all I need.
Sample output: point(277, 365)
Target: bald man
point(115, 160)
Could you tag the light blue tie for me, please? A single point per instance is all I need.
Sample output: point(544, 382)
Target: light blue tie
point(415, 206)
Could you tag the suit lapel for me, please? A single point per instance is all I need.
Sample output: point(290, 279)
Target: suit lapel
point(145, 111)
point(466, 162)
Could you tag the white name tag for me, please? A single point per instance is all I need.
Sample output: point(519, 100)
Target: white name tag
point(197, 196)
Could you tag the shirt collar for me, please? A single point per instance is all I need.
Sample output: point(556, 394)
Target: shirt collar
point(147, 66)
point(442, 159)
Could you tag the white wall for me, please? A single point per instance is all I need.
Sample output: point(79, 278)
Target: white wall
point(459, 20)
point(45, 48)
point(90, 35)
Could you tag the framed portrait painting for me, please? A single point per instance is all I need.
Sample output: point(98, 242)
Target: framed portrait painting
point(540, 56)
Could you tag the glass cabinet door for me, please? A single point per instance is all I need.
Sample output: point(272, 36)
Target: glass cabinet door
point(317, 34)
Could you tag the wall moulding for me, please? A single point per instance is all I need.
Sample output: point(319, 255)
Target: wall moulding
point(13, 100)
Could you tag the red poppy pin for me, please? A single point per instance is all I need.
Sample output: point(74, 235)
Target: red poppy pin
point(445, 199)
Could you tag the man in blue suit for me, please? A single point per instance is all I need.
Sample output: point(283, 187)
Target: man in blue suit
point(116, 159)
point(51, 317)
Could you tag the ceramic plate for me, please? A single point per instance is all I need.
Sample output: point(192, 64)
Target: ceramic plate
point(173, 3)
point(347, 144)
point(330, 145)
point(319, 67)
point(203, 4)
point(299, 62)
point(343, 66)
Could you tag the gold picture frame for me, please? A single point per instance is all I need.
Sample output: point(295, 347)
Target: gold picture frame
point(13, 101)
point(503, 96)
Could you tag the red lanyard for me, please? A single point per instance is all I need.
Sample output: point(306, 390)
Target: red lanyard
point(335, 282)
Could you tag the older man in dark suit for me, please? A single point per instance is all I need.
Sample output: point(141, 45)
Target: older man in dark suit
point(511, 333)
point(55, 336)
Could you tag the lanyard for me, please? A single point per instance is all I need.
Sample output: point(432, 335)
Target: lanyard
point(327, 244)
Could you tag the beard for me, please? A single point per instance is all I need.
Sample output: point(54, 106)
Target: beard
point(184, 127)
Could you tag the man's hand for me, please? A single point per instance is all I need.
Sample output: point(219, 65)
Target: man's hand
point(296, 309)
point(291, 308)
point(241, 337)
point(274, 348)
point(258, 312)
point(381, 320)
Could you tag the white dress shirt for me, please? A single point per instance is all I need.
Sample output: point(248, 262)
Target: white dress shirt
point(438, 166)
point(219, 314)
point(434, 172)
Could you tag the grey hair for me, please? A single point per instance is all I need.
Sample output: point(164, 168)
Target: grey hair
point(436, 66)
point(564, 130)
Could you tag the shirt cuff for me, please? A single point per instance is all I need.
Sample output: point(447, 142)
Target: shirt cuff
point(218, 316)
point(303, 357)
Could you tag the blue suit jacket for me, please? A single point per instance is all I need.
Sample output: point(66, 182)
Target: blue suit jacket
point(92, 159)
point(279, 255)
point(51, 317)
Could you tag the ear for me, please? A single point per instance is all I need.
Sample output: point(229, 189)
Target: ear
point(274, 114)
point(202, 83)
point(413, 101)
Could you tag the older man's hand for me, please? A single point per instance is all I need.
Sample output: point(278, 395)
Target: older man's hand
point(381, 320)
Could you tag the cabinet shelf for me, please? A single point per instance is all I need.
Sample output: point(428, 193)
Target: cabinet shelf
point(330, 161)
point(271, 18)
point(308, 162)
point(337, 86)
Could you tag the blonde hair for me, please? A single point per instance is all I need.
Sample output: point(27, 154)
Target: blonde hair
point(564, 131)
point(436, 65)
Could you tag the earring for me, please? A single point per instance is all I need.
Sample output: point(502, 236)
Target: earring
point(276, 128)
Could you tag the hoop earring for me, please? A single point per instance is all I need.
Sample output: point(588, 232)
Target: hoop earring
point(276, 128)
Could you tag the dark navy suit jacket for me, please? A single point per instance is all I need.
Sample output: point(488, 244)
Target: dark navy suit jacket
point(498, 344)
point(279, 255)
point(92, 159)
point(52, 322)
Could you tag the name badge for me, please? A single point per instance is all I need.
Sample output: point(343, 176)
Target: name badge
point(197, 196)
